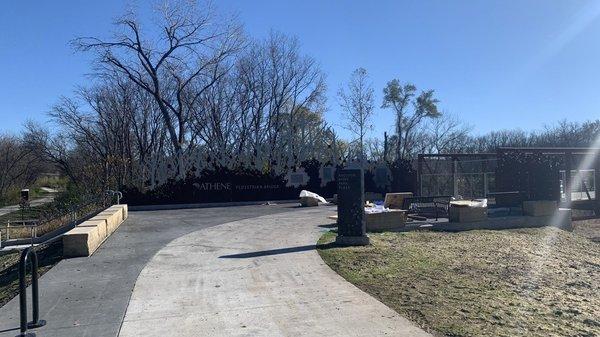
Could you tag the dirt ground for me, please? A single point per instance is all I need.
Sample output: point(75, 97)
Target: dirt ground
point(527, 282)
point(588, 228)
point(48, 256)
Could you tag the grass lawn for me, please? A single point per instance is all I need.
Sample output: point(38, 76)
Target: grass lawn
point(528, 282)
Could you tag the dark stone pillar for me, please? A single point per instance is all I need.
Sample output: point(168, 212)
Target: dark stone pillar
point(351, 223)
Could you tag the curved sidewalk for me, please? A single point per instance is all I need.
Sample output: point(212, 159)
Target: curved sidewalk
point(88, 296)
point(254, 277)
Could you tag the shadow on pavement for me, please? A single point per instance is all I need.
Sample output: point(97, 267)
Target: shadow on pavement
point(269, 252)
point(12, 329)
point(279, 251)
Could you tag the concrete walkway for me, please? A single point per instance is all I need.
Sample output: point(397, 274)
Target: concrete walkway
point(87, 297)
point(255, 277)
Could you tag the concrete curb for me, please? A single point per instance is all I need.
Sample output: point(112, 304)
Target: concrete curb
point(139, 208)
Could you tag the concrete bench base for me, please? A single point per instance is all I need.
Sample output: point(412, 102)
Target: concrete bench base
point(81, 241)
point(113, 218)
point(385, 221)
point(84, 239)
point(539, 207)
point(100, 224)
point(467, 214)
point(124, 209)
point(561, 219)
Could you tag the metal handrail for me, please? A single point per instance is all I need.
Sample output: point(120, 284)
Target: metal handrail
point(32, 224)
point(36, 322)
point(116, 193)
point(72, 212)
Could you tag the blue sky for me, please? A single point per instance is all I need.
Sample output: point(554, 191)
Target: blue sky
point(494, 64)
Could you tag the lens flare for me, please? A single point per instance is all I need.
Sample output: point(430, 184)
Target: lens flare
point(559, 217)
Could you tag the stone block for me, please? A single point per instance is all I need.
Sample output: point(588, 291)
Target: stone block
point(539, 207)
point(395, 200)
point(113, 218)
point(81, 241)
point(466, 214)
point(385, 220)
point(101, 224)
point(123, 208)
point(309, 202)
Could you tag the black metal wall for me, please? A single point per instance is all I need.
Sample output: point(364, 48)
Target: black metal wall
point(224, 185)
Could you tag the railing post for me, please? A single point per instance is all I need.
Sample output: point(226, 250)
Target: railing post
point(112, 194)
point(36, 322)
point(23, 292)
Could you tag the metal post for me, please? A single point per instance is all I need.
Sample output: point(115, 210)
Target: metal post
point(23, 293)
point(420, 173)
point(385, 147)
point(36, 322)
point(485, 185)
point(596, 179)
point(484, 170)
point(568, 180)
point(454, 177)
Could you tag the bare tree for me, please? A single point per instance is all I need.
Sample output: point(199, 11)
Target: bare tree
point(18, 164)
point(277, 92)
point(177, 67)
point(447, 134)
point(357, 103)
point(375, 149)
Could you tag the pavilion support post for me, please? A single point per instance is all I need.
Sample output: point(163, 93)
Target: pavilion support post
point(595, 189)
point(485, 181)
point(454, 177)
point(385, 147)
point(419, 172)
point(485, 184)
point(568, 182)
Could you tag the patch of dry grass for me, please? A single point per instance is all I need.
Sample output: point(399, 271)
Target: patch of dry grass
point(528, 282)
point(588, 228)
point(49, 217)
point(48, 256)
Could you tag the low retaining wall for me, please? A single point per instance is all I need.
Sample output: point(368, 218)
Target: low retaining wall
point(85, 238)
point(561, 219)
